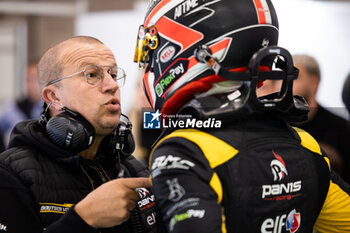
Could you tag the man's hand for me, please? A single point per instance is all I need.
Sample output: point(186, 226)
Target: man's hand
point(110, 204)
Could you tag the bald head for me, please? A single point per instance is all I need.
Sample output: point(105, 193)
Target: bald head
point(51, 64)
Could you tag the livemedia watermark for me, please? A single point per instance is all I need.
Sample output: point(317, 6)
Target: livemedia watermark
point(157, 120)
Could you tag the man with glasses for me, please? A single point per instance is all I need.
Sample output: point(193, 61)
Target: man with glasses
point(60, 172)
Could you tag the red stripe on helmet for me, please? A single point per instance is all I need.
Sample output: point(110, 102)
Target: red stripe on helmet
point(183, 35)
point(260, 11)
point(145, 82)
point(154, 11)
point(219, 46)
point(192, 62)
point(175, 102)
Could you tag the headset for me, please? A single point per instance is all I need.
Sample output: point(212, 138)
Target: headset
point(71, 131)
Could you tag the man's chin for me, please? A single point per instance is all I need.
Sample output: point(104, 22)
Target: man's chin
point(105, 131)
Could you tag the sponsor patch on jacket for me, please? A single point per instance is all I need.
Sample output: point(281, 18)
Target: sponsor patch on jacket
point(170, 162)
point(189, 202)
point(290, 222)
point(191, 213)
point(54, 208)
point(146, 209)
point(280, 191)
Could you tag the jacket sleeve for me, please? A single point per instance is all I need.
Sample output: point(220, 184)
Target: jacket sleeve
point(182, 178)
point(19, 213)
point(335, 212)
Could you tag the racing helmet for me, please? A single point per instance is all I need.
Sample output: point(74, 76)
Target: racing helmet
point(182, 42)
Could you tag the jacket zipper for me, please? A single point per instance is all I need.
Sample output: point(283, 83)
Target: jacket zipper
point(99, 172)
point(91, 180)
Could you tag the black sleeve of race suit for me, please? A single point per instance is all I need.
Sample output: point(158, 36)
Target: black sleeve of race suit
point(181, 182)
point(18, 212)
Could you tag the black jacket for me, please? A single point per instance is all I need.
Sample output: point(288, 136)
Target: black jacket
point(40, 183)
point(253, 175)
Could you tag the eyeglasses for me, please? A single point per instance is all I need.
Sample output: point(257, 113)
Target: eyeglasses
point(94, 75)
point(147, 40)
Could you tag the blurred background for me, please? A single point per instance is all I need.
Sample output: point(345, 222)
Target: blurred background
point(27, 28)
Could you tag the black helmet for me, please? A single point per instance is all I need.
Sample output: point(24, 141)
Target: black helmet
point(174, 31)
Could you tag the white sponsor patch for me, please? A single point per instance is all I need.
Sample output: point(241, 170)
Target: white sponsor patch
point(278, 189)
point(170, 162)
point(175, 189)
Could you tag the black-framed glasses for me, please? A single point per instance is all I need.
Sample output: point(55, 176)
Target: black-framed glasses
point(94, 74)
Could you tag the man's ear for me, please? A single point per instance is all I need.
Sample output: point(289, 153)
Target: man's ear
point(50, 95)
point(314, 84)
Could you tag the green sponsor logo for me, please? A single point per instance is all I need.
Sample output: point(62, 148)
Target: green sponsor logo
point(163, 83)
point(159, 90)
point(166, 81)
point(178, 218)
point(191, 213)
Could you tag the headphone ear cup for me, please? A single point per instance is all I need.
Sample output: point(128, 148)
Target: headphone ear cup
point(123, 138)
point(73, 133)
point(129, 146)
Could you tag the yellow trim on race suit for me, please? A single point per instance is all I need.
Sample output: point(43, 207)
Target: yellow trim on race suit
point(215, 184)
point(215, 151)
point(328, 162)
point(308, 141)
point(334, 216)
point(223, 221)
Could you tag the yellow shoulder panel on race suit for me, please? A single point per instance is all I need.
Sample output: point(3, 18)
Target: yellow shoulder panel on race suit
point(215, 151)
point(335, 213)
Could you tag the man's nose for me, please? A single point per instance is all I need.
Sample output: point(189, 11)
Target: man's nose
point(108, 83)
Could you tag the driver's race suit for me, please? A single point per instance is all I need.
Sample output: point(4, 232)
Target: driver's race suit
point(255, 175)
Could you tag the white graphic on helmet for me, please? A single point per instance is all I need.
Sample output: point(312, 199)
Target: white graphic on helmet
point(265, 42)
point(203, 7)
point(176, 190)
point(278, 168)
point(184, 8)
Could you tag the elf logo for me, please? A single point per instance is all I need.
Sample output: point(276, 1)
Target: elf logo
point(278, 168)
point(291, 222)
